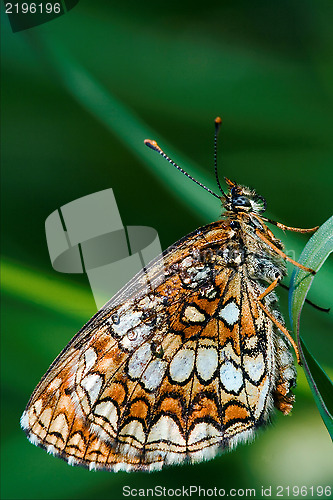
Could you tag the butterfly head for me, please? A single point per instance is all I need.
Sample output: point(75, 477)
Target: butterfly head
point(242, 199)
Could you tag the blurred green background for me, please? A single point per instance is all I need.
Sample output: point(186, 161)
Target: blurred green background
point(79, 95)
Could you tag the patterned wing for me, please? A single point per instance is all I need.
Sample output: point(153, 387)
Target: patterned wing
point(159, 376)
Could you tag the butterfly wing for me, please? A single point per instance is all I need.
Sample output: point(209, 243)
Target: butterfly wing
point(180, 364)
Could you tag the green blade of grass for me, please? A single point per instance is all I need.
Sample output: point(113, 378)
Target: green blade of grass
point(30, 285)
point(314, 255)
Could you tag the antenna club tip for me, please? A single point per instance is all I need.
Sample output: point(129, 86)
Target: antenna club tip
point(218, 120)
point(152, 144)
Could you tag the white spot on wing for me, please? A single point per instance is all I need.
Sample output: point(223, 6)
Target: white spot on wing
point(228, 353)
point(231, 377)
point(195, 276)
point(108, 410)
point(101, 433)
point(254, 367)
point(230, 313)
point(166, 429)
point(135, 337)
point(206, 362)
point(55, 384)
point(262, 402)
point(186, 263)
point(251, 342)
point(202, 431)
point(127, 321)
point(139, 360)
point(38, 406)
point(46, 416)
point(90, 358)
point(149, 302)
point(92, 384)
point(182, 365)
point(59, 424)
point(154, 373)
point(134, 429)
point(191, 313)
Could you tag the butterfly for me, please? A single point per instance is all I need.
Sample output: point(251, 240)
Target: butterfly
point(187, 360)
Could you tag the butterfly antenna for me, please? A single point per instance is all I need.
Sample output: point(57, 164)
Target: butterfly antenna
point(218, 123)
point(153, 145)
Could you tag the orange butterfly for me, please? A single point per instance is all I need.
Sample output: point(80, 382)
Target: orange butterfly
point(183, 368)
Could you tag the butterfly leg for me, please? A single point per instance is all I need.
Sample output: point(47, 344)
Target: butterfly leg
point(282, 254)
point(287, 228)
point(283, 329)
point(296, 229)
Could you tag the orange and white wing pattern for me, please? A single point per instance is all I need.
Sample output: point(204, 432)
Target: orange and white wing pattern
point(173, 374)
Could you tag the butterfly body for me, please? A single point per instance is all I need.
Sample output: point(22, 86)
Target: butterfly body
point(184, 362)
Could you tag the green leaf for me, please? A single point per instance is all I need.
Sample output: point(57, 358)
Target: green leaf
point(314, 255)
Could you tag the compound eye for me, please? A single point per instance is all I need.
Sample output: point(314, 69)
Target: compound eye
point(241, 201)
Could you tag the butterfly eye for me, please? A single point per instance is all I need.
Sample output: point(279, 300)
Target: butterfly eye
point(241, 201)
